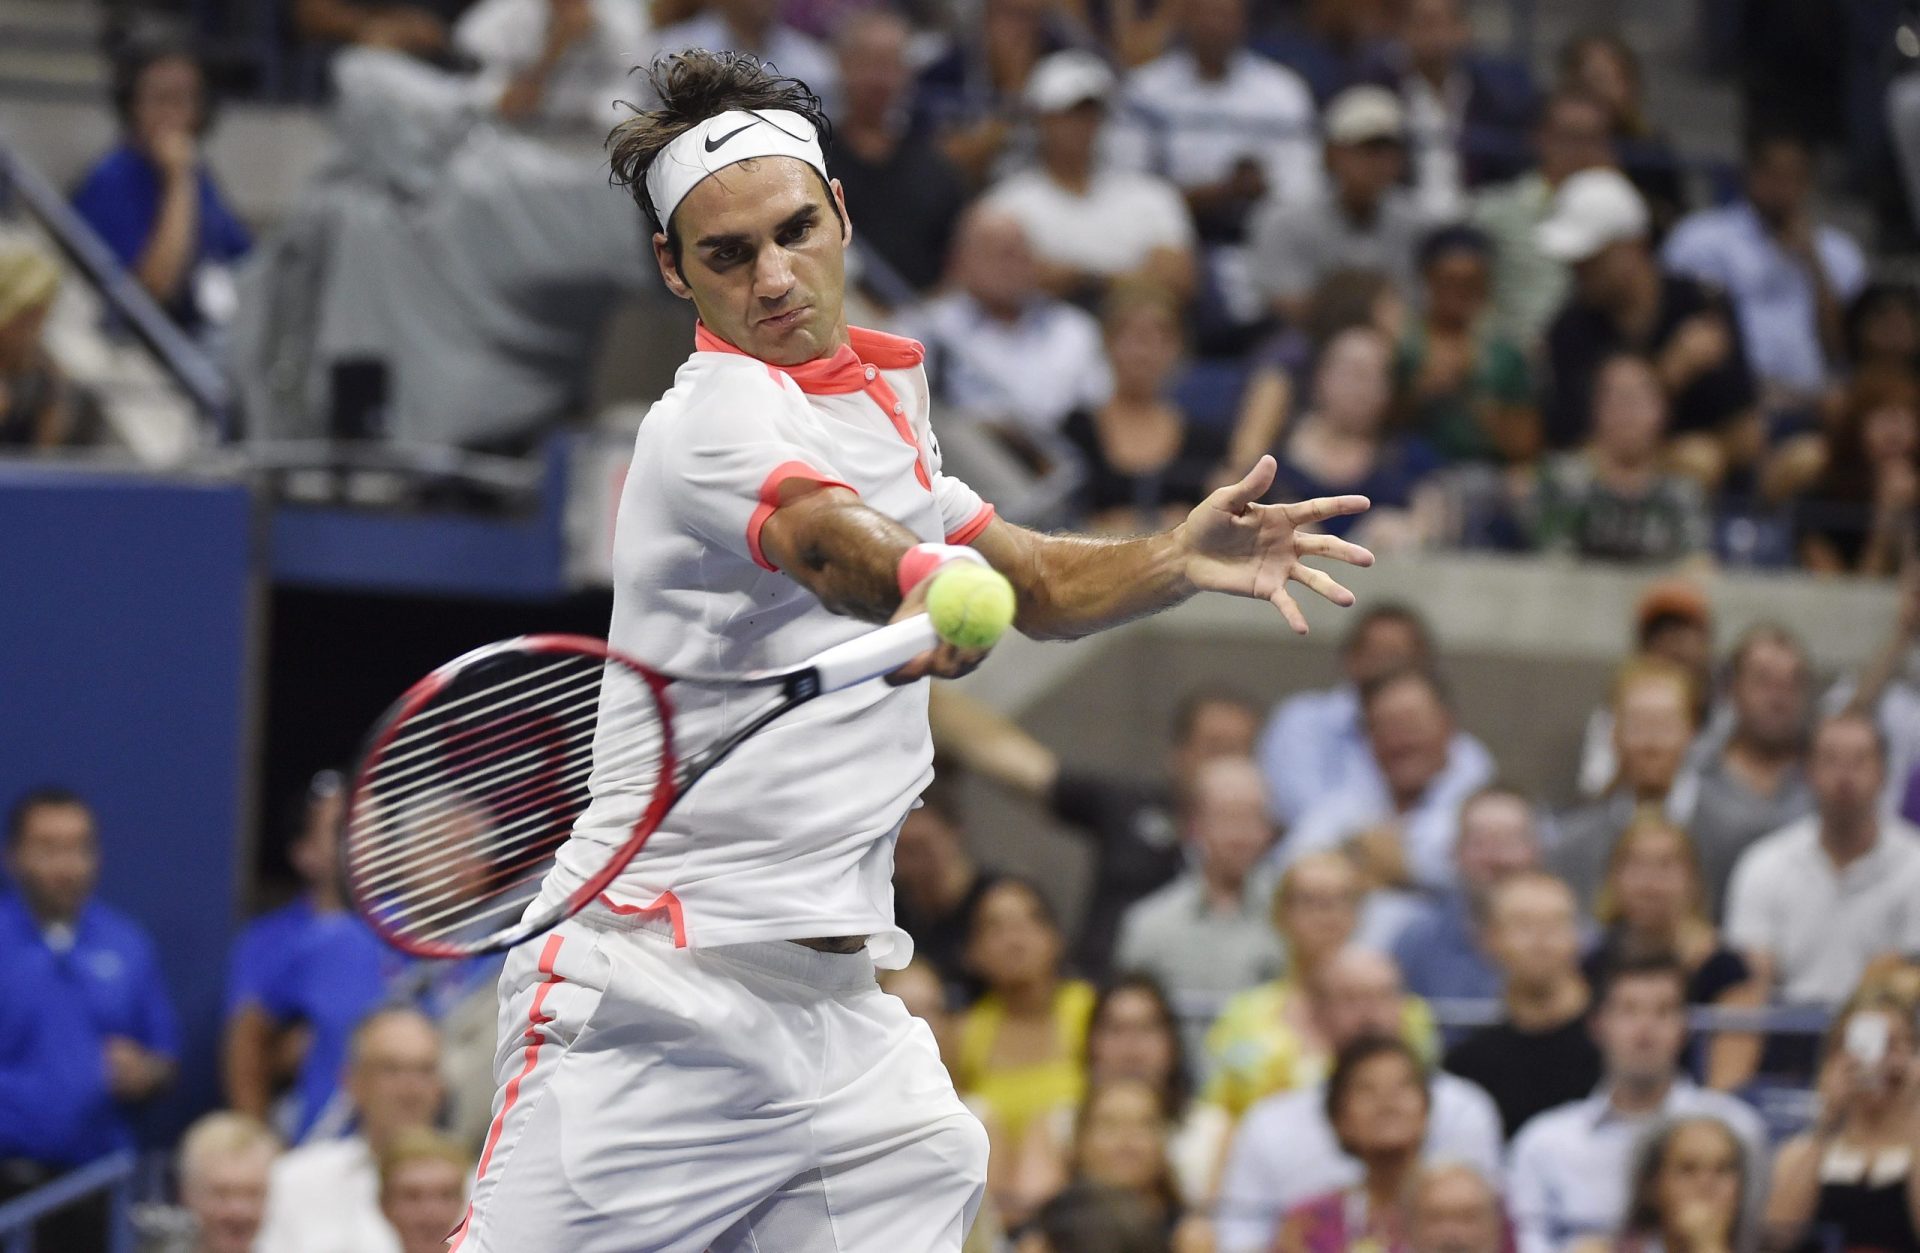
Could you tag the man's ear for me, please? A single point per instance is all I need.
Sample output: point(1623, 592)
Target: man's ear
point(669, 270)
point(840, 203)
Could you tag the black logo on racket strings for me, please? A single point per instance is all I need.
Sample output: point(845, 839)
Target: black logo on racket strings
point(713, 145)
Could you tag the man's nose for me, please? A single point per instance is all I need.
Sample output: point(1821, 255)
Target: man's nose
point(773, 274)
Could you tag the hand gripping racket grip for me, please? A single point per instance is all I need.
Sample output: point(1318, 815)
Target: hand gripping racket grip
point(874, 653)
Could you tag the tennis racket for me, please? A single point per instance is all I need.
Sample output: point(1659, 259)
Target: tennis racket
point(473, 780)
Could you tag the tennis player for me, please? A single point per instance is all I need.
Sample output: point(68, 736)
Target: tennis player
point(702, 1060)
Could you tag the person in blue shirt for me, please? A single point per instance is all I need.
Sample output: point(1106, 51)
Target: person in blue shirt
point(87, 1033)
point(152, 199)
point(1440, 953)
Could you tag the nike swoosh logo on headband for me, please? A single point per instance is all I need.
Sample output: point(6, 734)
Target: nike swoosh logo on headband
point(713, 145)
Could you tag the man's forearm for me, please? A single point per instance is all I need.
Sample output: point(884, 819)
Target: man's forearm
point(1070, 585)
point(846, 554)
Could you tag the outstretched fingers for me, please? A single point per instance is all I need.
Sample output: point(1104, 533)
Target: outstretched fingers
point(1321, 508)
point(1289, 610)
point(1321, 583)
point(1238, 496)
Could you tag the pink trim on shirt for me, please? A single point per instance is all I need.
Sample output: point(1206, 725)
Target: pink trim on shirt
point(770, 501)
point(969, 531)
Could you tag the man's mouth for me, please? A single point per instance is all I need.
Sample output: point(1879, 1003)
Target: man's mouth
point(785, 321)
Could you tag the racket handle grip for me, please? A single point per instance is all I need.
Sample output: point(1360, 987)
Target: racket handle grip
point(875, 653)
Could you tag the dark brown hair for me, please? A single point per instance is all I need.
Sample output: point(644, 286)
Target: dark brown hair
point(1848, 475)
point(691, 87)
point(1644, 1217)
point(1346, 1069)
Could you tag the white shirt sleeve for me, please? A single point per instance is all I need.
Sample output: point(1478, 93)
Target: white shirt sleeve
point(1693, 249)
point(724, 466)
point(1472, 1131)
point(1846, 266)
point(1750, 905)
point(1530, 1191)
point(1167, 210)
point(1245, 1223)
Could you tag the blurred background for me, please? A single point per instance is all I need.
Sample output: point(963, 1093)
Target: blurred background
point(1562, 892)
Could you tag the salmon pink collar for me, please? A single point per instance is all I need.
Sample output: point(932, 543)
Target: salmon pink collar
point(840, 373)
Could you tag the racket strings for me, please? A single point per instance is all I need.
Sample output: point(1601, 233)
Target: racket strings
point(462, 811)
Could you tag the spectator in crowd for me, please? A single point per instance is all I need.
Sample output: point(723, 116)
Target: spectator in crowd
point(1541, 1055)
point(1342, 443)
point(1333, 43)
point(1623, 302)
point(1378, 1103)
point(300, 980)
point(325, 1196)
point(1442, 951)
point(1613, 499)
point(1131, 822)
point(937, 885)
point(1364, 219)
point(423, 1188)
point(1858, 514)
point(1570, 1166)
point(1120, 1142)
point(755, 26)
point(1285, 1150)
point(1757, 782)
point(1316, 741)
point(1650, 906)
point(1882, 329)
point(1604, 66)
point(1229, 126)
point(999, 348)
point(1453, 1209)
point(1816, 901)
point(555, 63)
point(1886, 688)
point(1673, 623)
point(1404, 822)
point(1279, 1037)
point(152, 199)
point(39, 407)
point(103, 1038)
point(1132, 1035)
point(1092, 222)
point(223, 1164)
point(418, 27)
point(1466, 111)
point(1688, 1192)
point(1789, 276)
point(1529, 286)
point(1145, 463)
point(1090, 1218)
point(1655, 717)
point(973, 91)
point(1208, 932)
point(1468, 390)
point(1853, 1176)
point(883, 156)
point(1020, 1048)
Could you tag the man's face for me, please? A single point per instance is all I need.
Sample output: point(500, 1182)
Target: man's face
point(1606, 278)
point(227, 1196)
point(423, 1199)
point(994, 262)
point(874, 72)
point(1845, 772)
point(1213, 28)
point(1770, 693)
point(764, 258)
point(1435, 32)
point(1641, 1028)
point(1686, 644)
point(1780, 183)
point(1497, 841)
point(1319, 907)
point(1364, 173)
point(1383, 646)
point(55, 860)
point(1067, 136)
point(1532, 932)
point(1363, 997)
point(1454, 1212)
point(1456, 287)
point(1409, 729)
point(166, 100)
point(394, 1078)
point(1219, 729)
point(1573, 136)
point(1231, 830)
point(1652, 730)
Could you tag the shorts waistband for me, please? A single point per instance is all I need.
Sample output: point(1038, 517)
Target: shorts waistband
point(783, 959)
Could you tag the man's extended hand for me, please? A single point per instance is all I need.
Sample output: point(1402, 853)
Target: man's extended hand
point(943, 660)
point(1243, 548)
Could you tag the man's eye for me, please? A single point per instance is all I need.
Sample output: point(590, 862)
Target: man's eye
point(794, 234)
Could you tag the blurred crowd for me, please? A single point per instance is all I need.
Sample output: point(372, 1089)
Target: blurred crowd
point(1143, 244)
point(1333, 984)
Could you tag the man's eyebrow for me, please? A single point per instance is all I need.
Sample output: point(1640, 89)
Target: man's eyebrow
point(806, 215)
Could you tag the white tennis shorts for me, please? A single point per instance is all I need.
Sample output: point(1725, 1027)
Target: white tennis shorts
point(752, 1098)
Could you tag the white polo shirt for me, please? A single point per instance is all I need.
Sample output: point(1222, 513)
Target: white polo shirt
point(1111, 228)
point(792, 836)
point(1195, 129)
point(1823, 925)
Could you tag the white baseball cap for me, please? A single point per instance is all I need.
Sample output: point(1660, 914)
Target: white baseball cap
point(1592, 209)
point(1066, 79)
point(1363, 114)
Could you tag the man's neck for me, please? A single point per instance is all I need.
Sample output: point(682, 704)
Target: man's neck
point(1359, 211)
point(1074, 176)
point(1212, 63)
point(1548, 1006)
point(1387, 1180)
point(1639, 1096)
point(1224, 894)
point(1640, 303)
point(47, 916)
point(1759, 764)
point(1848, 840)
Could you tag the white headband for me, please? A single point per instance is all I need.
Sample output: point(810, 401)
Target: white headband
point(722, 140)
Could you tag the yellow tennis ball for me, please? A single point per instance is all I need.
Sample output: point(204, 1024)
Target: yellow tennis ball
point(971, 605)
